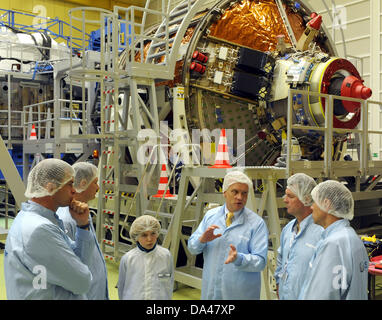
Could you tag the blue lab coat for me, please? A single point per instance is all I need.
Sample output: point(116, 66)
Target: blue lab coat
point(41, 262)
point(338, 269)
point(240, 279)
point(99, 287)
point(294, 254)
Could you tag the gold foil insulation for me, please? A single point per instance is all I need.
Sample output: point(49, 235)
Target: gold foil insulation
point(255, 24)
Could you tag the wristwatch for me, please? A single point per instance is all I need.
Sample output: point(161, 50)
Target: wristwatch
point(86, 226)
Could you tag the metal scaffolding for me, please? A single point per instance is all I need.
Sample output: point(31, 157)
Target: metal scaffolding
point(126, 182)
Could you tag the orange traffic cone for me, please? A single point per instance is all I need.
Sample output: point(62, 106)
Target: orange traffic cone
point(163, 181)
point(38, 156)
point(33, 135)
point(222, 156)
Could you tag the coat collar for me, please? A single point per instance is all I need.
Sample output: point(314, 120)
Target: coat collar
point(304, 224)
point(40, 210)
point(339, 224)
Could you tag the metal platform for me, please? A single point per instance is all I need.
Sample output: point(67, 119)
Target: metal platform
point(3, 233)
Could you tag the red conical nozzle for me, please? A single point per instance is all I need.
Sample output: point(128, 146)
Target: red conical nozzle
point(315, 23)
point(313, 15)
point(354, 88)
point(363, 92)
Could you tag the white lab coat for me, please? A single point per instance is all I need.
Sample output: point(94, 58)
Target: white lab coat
point(146, 275)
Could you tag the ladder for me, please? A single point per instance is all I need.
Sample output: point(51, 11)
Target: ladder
point(118, 122)
point(165, 215)
point(121, 171)
point(178, 20)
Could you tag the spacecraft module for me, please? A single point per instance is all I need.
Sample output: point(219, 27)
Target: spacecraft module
point(237, 62)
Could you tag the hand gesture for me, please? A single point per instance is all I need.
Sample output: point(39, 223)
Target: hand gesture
point(209, 235)
point(79, 212)
point(232, 255)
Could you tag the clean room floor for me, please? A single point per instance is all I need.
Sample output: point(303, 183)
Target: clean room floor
point(182, 293)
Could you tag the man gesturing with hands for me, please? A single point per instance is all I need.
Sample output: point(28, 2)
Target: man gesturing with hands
point(234, 243)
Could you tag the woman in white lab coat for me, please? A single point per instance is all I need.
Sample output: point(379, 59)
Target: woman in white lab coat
point(146, 272)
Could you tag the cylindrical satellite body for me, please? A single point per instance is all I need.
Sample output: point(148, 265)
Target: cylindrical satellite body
point(237, 63)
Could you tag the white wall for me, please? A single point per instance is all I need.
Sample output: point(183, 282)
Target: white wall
point(361, 22)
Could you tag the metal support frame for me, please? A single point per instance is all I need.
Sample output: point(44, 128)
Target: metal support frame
point(286, 22)
point(269, 202)
point(328, 168)
point(121, 124)
point(11, 174)
point(9, 17)
point(58, 117)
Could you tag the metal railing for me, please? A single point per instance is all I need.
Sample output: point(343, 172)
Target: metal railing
point(10, 18)
point(44, 114)
point(27, 57)
point(134, 38)
point(328, 130)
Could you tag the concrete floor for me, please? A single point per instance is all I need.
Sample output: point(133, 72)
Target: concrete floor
point(182, 293)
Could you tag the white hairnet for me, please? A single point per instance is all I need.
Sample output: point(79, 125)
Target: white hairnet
point(84, 174)
point(47, 177)
point(302, 185)
point(236, 176)
point(142, 224)
point(334, 198)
